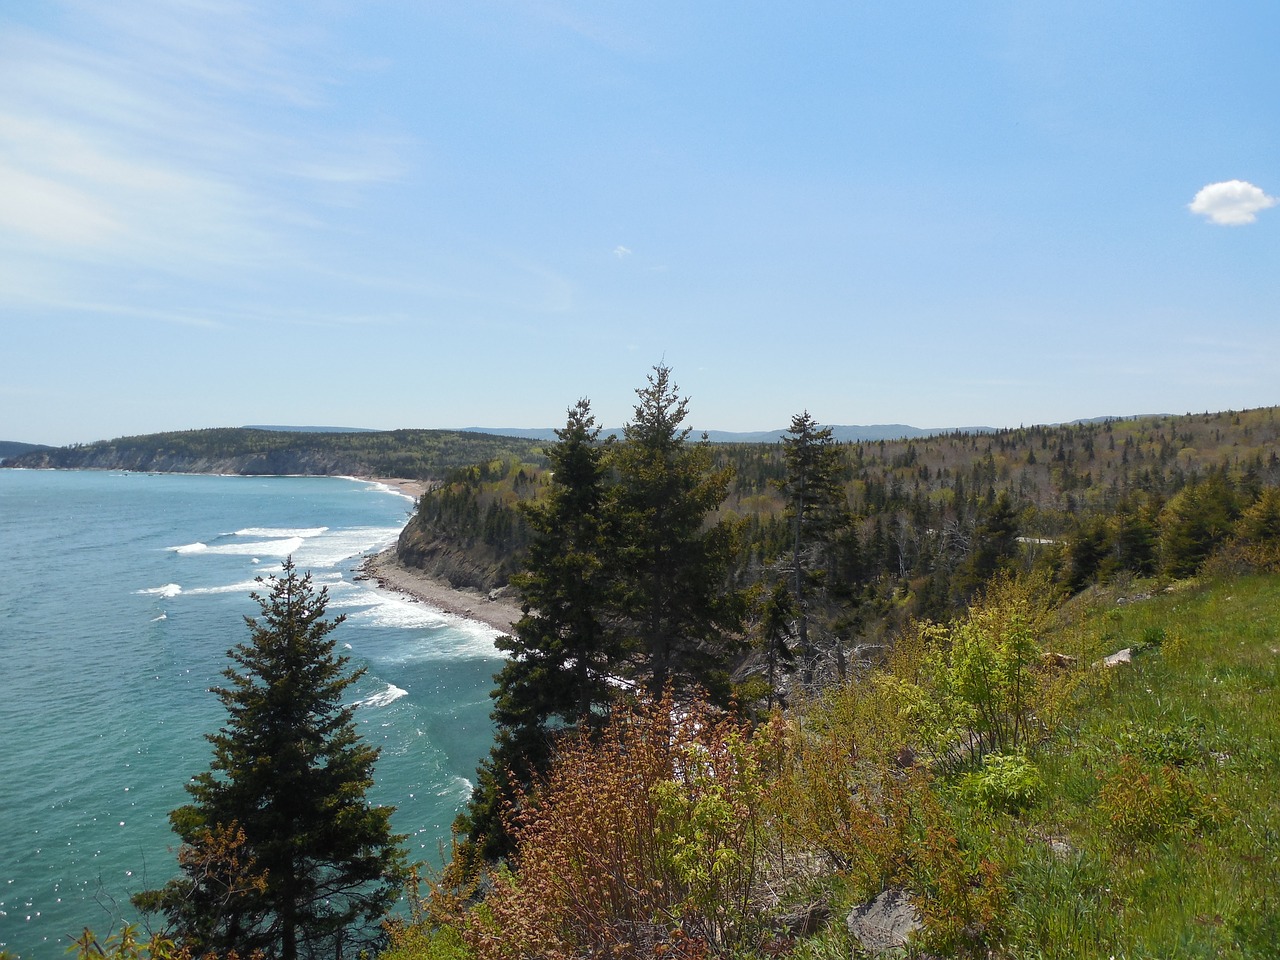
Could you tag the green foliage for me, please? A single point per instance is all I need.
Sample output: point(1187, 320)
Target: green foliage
point(1143, 821)
point(1142, 801)
point(773, 613)
point(672, 563)
point(815, 497)
point(624, 574)
point(562, 654)
point(281, 851)
point(1167, 744)
point(1006, 783)
point(976, 686)
point(994, 545)
point(643, 840)
point(708, 834)
point(1195, 521)
point(124, 945)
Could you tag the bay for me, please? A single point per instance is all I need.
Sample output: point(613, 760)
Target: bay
point(120, 595)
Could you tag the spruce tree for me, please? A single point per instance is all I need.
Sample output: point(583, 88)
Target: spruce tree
point(673, 561)
point(815, 502)
point(992, 550)
point(562, 654)
point(282, 853)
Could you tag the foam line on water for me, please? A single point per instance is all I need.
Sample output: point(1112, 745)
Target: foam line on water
point(244, 586)
point(441, 636)
point(377, 486)
point(275, 532)
point(270, 548)
point(336, 546)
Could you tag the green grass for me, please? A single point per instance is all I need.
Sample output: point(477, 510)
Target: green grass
point(1163, 791)
point(1145, 825)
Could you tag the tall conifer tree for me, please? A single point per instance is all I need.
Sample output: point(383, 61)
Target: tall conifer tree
point(563, 652)
point(815, 502)
point(281, 851)
point(673, 561)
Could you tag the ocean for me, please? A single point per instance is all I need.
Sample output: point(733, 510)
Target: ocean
point(121, 595)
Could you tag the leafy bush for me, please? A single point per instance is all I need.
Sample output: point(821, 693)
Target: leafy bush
point(1142, 802)
point(125, 945)
point(1007, 782)
point(1169, 744)
point(643, 840)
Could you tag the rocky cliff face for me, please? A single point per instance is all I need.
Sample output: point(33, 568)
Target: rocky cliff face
point(462, 567)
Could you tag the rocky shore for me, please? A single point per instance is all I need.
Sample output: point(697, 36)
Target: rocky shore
point(496, 610)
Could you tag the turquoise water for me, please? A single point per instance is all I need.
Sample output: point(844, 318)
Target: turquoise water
point(120, 597)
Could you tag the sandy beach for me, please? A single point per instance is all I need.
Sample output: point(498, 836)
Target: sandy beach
point(391, 574)
point(410, 488)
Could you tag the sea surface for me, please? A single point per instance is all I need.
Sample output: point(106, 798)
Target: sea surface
point(119, 598)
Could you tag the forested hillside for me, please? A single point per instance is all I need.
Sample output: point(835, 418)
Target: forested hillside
point(817, 699)
point(412, 454)
point(925, 522)
point(760, 693)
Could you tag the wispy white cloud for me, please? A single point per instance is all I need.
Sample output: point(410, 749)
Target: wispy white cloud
point(180, 137)
point(42, 209)
point(1231, 203)
point(621, 252)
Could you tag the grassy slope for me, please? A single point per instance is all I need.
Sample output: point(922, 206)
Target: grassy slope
point(1165, 789)
point(1157, 831)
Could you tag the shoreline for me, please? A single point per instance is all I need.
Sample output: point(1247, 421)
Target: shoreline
point(385, 569)
point(413, 489)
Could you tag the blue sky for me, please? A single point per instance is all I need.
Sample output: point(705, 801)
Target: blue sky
point(435, 214)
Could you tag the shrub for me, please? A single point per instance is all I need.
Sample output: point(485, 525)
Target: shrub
point(1007, 783)
point(644, 839)
point(1145, 802)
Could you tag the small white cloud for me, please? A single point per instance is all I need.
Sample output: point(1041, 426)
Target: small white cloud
point(621, 252)
point(1231, 203)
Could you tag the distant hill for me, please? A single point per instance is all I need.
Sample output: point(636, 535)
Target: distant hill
point(425, 454)
point(848, 433)
point(280, 428)
point(14, 448)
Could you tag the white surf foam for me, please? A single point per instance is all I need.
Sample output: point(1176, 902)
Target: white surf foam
point(168, 590)
point(270, 548)
point(385, 698)
point(377, 486)
point(337, 546)
point(442, 636)
point(244, 586)
point(272, 532)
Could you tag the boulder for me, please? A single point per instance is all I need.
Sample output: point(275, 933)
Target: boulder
point(1117, 658)
point(883, 924)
